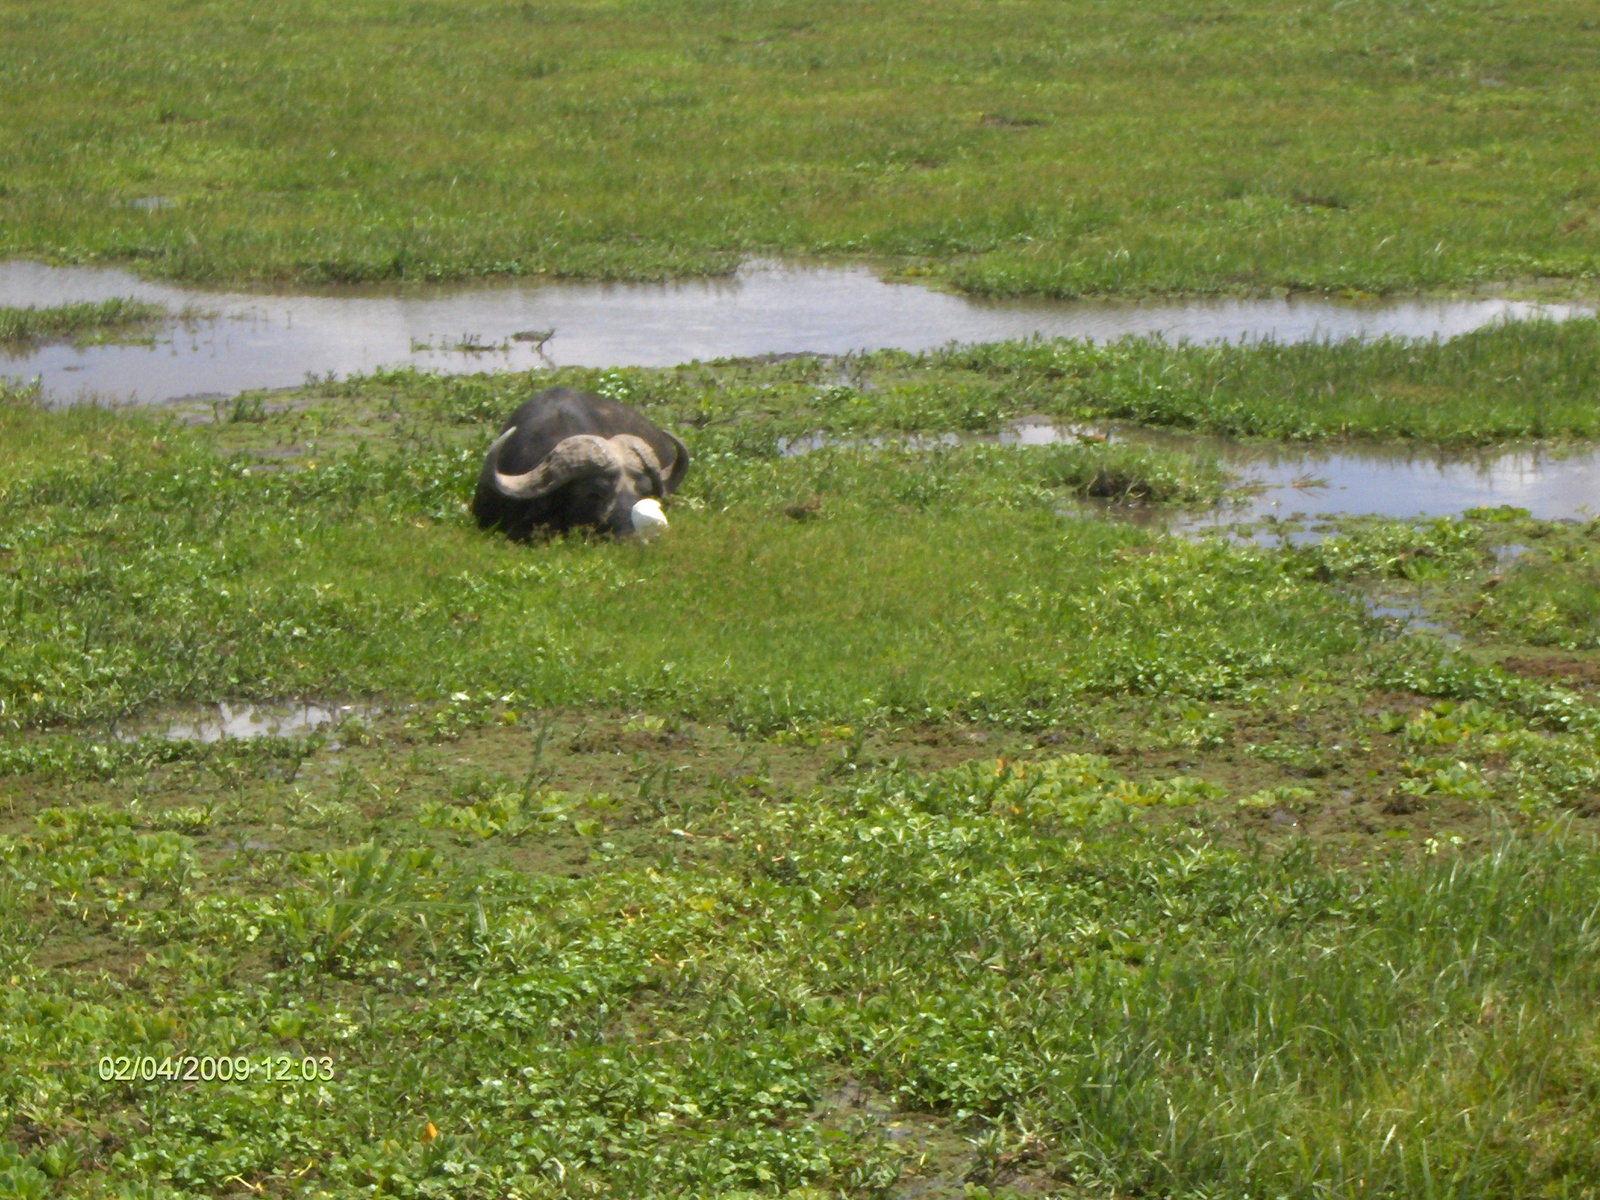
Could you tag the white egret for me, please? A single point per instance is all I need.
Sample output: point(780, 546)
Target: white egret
point(648, 519)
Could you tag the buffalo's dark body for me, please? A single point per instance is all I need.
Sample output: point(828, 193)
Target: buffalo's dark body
point(542, 423)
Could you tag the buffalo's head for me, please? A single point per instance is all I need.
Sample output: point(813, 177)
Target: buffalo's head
point(612, 483)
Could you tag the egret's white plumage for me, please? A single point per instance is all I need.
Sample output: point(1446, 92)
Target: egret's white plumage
point(648, 519)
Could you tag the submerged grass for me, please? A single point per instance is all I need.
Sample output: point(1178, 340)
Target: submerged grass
point(1027, 148)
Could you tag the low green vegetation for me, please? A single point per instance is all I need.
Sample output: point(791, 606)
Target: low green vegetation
point(1549, 596)
point(1021, 148)
point(1061, 1001)
point(904, 822)
point(88, 321)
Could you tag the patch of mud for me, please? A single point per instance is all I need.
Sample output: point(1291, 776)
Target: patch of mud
point(1584, 672)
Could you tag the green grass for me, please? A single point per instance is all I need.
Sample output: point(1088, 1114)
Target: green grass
point(1024, 148)
point(91, 319)
point(892, 826)
point(1076, 1004)
point(1521, 379)
point(828, 585)
point(1554, 601)
point(361, 574)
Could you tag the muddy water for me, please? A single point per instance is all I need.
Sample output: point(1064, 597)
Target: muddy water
point(275, 340)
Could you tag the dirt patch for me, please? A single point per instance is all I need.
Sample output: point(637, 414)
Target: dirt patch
point(1582, 672)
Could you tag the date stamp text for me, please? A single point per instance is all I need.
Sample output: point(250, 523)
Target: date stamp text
point(216, 1068)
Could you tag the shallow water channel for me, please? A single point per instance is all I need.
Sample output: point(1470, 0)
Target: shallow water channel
point(274, 340)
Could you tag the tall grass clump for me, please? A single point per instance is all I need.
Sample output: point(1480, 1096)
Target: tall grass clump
point(1134, 473)
point(16, 392)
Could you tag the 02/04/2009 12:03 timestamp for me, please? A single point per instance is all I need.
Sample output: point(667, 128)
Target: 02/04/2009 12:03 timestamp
point(213, 1068)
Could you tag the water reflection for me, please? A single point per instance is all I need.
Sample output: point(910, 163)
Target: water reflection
point(1409, 617)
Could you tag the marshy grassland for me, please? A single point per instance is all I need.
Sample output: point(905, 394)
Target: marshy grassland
point(903, 823)
point(1027, 147)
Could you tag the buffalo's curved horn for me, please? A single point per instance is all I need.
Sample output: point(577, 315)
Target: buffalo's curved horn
point(643, 454)
point(680, 464)
point(573, 458)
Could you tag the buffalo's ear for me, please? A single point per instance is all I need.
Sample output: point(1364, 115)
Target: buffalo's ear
point(680, 465)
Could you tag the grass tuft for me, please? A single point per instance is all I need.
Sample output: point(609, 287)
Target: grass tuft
point(77, 321)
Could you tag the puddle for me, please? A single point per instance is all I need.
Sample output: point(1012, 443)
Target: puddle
point(269, 340)
point(1376, 480)
point(255, 721)
point(1409, 618)
point(1045, 433)
point(1507, 555)
point(1394, 482)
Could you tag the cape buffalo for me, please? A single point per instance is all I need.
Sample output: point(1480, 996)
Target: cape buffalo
point(568, 458)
